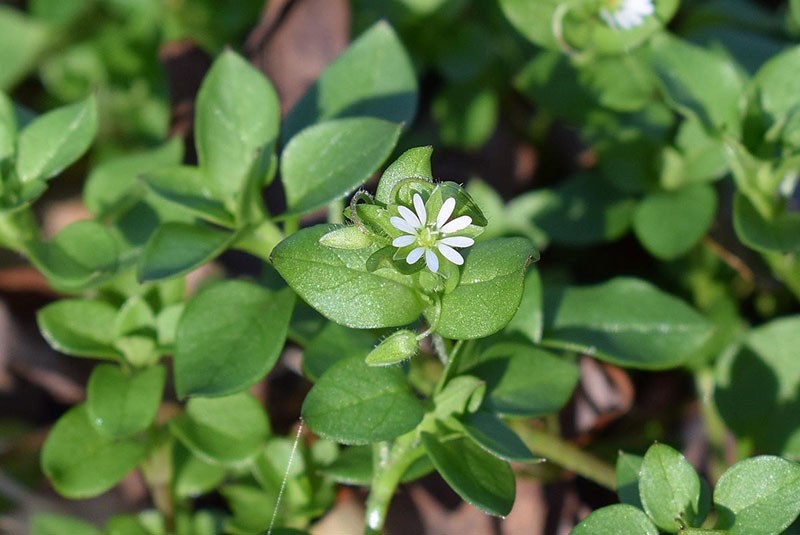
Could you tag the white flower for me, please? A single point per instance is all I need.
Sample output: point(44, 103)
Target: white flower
point(431, 237)
point(626, 14)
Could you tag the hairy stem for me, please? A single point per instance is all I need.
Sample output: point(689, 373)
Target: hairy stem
point(389, 465)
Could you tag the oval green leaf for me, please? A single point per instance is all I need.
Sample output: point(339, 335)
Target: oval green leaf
point(620, 518)
point(336, 282)
point(489, 432)
point(625, 321)
point(353, 403)
point(229, 336)
point(119, 403)
point(53, 524)
point(758, 495)
point(490, 289)
point(327, 161)
point(237, 117)
point(226, 430)
point(81, 462)
point(670, 489)
point(80, 327)
point(480, 478)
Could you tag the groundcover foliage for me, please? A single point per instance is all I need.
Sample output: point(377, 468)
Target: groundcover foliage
point(433, 339)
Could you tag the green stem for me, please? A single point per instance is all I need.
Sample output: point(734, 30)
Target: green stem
point(566, 455)
point(389, 465)
point(260, 240)
point(715, 428)
point(16, 229)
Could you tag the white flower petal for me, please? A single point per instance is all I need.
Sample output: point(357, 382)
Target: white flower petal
point(458, 241)
point(419, 206)
point(402, 224)
point(415, 255)
point(402, 241)
point(431, 260)
point(410, 217)
point(445, 212)
point(459, 223)
point(451, 254)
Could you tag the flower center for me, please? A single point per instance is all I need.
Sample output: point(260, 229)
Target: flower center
point(427, 237)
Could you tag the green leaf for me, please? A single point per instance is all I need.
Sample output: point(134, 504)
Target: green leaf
point(145, 523)
point(758, 495)
point(374, 77)
point(327, 161)
point(413, 163)
point(523, 380)
point(627, 471)
point(226, 430)
point(192, 476)
point(188, 187)
point(780, 234)
point(251, 506)
point(619, 518)
point(395, 348)
point(757, 387)
point(353, 466)
point(81, 462)
point(699, 82)
point(336, 282)
point(534, 20)
point(120, 403)
point(585, 210)
point(670, 489)
point(8, 127)
point(466, 115)
point(489, 432)
point(625, 321)
point(480, 478)
point(489, 291)
point(461, 394)
point(776, 89)
point(237, 117)
point(353, 403)
point(229, 336)
point(670, 223)
point(529, 319)
point(81, 255)
point(111, 184)
point(333, 343)
point(23, 40)
point(79, 327)
point(53, 524)
point(56, 139)
point(177, 248)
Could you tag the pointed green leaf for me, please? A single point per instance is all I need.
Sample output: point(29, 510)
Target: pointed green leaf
point(625, 321)
point(413, 163)
point(327, 161)
point(333, 343)
point(177, 248)
point(121, 403)
point(373, 77)
point(758, 495)
point(627, 471)
point(620, 518)
point(670, 489)
point(480, 478)
point(81, 328)
point(237, 117)
point(490, 289)
point(229, 336)
point(23, 39)
point(489, 432)
point(226, 430)
point(353, 403)
point(336, 282)
point(780, 234)
point(8, 127)
point(56, 139)
point(81, 462)
point(192, 475)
